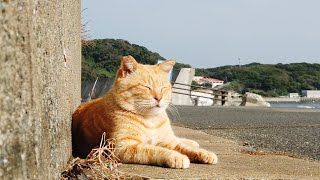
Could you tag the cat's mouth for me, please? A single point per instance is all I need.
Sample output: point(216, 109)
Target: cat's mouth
point(151, 109)
point(156, 108)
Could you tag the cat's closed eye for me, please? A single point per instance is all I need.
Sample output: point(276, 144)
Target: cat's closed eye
point(163, 88)
point(145, 86)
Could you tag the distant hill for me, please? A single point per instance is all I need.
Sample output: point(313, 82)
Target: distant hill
point(102, 57)
point(266, 79)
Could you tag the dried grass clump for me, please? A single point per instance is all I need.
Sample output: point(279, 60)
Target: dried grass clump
point(101, 163)
point(86, 39)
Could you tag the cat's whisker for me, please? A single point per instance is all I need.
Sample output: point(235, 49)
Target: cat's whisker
point(174, 108)
point(142, 106)
point(138, 107)
point(144, 102)
point(174, 111)
point(168, 100)
point(147, 103)
point(143, 109)
point(173, 114)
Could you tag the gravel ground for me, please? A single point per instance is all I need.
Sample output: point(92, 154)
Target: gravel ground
point(286, 130)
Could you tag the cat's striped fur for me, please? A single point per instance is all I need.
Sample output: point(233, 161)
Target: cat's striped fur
point(133, 113)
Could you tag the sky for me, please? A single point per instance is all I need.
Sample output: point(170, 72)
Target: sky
point(212, 33)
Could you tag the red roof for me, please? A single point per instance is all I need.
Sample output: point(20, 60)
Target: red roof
point(210, 80)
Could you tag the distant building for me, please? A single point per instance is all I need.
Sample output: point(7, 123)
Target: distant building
point(294, 95)
point(202, 80)
point(197, 78)
point(311, 93)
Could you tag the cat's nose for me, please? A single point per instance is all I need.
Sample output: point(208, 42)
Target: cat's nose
point(157, 98)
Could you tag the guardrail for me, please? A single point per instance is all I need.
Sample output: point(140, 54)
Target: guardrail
point(186, 89)
point(308, 99)
point(97, 88)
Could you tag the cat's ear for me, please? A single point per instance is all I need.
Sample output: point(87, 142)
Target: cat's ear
point(167, 65)
point(128, 66)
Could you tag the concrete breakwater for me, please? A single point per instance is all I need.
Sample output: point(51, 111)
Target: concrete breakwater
point(286, 99)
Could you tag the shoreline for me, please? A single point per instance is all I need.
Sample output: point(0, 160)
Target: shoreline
point(283, 99)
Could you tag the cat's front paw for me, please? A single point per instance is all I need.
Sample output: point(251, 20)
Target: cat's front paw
point(189, 142)
point(178, 161)
point(194, 143)
point(207, 157)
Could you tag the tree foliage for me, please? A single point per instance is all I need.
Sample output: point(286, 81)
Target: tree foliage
point(102, 58)
point(267, 80)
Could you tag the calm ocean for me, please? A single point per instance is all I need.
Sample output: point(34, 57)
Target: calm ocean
point(296, 104)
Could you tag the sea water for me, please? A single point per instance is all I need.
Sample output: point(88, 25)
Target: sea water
point(296, 104)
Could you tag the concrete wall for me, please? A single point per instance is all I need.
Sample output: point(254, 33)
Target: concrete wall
point(102, 86)
point(39, 86)
point(311, 93)
point(184, 77)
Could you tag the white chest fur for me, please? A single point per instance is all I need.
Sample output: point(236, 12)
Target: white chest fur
point(150, 137)
point(151, 122)
point(151, 134)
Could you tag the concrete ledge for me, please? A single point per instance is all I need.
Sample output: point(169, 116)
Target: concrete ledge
point(232, 163)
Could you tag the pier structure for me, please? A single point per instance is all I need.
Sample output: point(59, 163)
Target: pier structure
point(306, 99)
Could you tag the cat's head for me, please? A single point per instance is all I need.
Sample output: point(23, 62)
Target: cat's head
point(143, 89)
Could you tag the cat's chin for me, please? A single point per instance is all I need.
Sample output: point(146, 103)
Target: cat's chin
point(154, 111)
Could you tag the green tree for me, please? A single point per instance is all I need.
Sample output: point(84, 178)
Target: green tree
point(267, 80)
point(103, 58)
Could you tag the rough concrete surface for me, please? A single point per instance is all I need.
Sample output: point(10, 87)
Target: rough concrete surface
point(233, 163)
point(184, 77)
point(291, 130)
point(39, 85)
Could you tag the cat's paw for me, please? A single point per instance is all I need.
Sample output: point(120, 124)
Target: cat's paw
point(194, 143)
point(178, 161)
point(190, 142)
point(207, 157)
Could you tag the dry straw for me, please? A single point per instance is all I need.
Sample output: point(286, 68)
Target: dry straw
point(85, 33)
point(101, 163)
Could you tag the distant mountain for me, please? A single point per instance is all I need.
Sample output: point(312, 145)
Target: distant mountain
point(102, 57)
point(266, 79)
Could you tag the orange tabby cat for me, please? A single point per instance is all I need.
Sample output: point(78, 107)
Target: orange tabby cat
point(133, 113)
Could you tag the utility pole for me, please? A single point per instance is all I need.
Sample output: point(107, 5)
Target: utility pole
point(239, 62)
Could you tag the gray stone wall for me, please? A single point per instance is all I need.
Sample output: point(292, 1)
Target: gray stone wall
point(40, 82)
